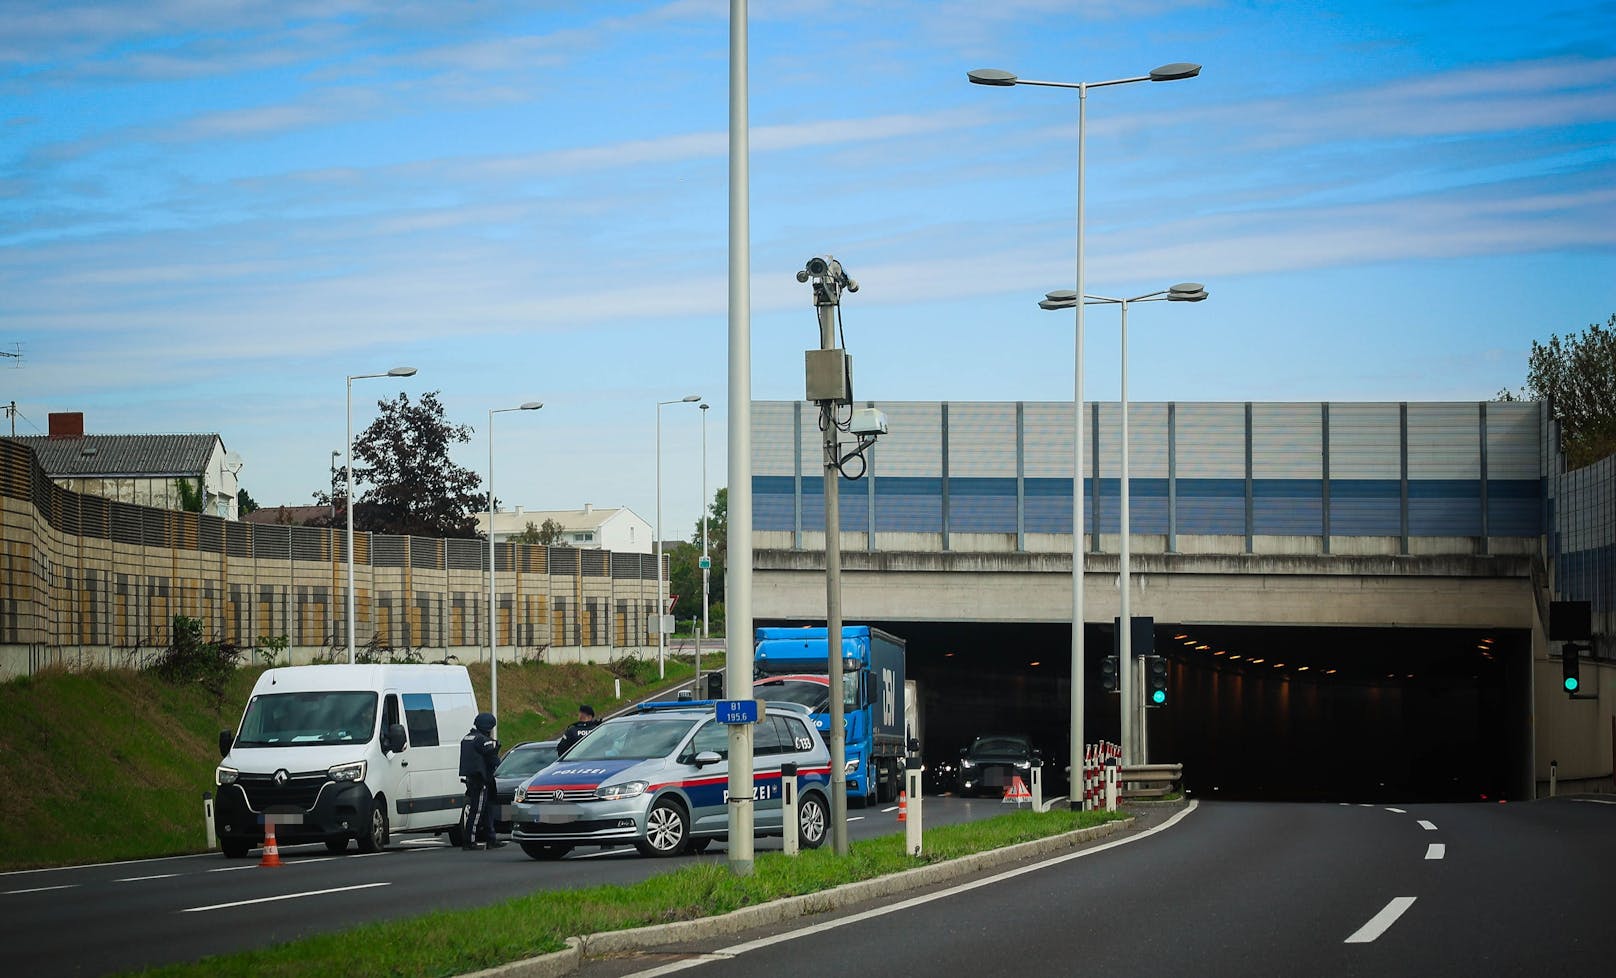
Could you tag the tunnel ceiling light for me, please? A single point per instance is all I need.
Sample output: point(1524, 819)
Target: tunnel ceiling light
point(1035, 663)
point(1279, 665)
point(1329, 672)
point(1176, 637)
point(1234, 658)
point(1258, 662)
point(1303, 668)
point(1220, 652)
point(1202, 648)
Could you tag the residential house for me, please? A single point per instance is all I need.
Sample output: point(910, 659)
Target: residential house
point(619, 530)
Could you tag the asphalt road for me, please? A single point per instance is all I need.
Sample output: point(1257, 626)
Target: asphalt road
point(93, 920)
point(1239, 889)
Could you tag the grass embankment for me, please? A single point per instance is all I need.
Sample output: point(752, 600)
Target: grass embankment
point(462, 941)
point(102, 766)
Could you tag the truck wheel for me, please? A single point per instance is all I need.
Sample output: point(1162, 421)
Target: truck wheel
point(235, 848)
point(667, 830)
point(546, 851)
point(375, 838)
point(811, 822)
point(887, 787)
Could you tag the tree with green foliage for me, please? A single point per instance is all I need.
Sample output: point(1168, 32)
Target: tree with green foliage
point(413, 487)
point(1577, 376)
point(552, 532)
point(244, 502)
point(529, 535)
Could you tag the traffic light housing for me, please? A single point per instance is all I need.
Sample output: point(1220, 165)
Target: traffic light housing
point(1108, 674)
point(1571, 668)
point(1156, 681)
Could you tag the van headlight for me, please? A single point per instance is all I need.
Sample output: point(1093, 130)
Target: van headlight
point(1023, 765)
point(225, 775)
point(851, 765)
point(347, 772)
point(967, 763)
point(617, 792)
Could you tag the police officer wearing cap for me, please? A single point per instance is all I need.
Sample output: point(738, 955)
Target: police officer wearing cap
point(479, 755)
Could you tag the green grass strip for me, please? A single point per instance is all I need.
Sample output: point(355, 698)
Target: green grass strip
point(456, 942)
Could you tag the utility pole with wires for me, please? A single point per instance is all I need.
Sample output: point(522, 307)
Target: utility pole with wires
point(14, 354)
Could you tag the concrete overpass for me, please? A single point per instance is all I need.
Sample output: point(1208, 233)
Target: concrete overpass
point(1412, 548)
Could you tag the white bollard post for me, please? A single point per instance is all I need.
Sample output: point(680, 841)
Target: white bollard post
point(1554, 778)
point(1111, 787)
point(207, 819)
point(617, 689)
point(1036, 775)
point(912, 769)
point(789, 829)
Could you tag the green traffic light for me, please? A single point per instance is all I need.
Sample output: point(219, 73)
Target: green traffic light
point(1571, 684)
point(1159, 696)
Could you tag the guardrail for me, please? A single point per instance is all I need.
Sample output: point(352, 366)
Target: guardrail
point(1149, 780)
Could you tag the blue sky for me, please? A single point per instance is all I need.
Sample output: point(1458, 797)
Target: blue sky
point(212, 211)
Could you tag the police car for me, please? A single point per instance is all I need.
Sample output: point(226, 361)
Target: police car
point(658, 779)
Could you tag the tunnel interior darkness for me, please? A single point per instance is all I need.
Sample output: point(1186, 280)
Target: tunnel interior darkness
point(1272, 713)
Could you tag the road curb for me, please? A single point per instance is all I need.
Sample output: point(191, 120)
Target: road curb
point(747, 918)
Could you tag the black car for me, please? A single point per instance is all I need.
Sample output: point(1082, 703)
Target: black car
point(993, 761)
point(519, 763)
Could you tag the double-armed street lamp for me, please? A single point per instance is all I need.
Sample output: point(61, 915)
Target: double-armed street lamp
point(493, 573)
point(661, 608)
point(998, 78)
point(348, 478)
point(1066, 299)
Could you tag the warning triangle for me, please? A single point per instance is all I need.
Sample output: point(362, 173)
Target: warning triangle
point(1016, 791)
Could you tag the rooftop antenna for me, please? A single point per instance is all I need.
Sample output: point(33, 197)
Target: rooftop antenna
point(14, 354)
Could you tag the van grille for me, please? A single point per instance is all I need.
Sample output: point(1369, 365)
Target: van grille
point(298, 793)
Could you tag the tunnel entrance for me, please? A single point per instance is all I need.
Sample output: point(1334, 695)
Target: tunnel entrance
point(1253, 712)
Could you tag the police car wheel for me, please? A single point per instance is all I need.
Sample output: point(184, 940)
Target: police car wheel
point(811, 822)
point(375, 838)
point(667, 830)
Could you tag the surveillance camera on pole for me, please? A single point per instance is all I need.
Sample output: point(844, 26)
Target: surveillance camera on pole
point(830, 385)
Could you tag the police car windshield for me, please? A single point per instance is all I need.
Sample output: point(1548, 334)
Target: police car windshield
point(308, 719)
point(632, 738)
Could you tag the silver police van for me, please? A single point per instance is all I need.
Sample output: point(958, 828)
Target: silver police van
point(658, 779)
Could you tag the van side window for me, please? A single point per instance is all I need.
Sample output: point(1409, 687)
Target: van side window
point(421, 719)
point(767, 736)
point(389, 711)
point(796, 733)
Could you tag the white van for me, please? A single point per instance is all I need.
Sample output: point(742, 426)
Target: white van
point(339, 752)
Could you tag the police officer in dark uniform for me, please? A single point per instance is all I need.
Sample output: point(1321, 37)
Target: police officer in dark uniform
point(479, 755)
point(578, 730)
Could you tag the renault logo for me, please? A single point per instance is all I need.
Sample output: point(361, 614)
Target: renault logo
point(281, 776)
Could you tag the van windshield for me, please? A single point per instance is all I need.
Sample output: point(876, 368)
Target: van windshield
point(308, 719)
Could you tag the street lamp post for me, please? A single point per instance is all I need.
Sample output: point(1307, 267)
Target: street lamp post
point(347, 477)
point(999, 78)
point(493, 571)
point(1065, 299)
point(706, 561)
point(661, 608)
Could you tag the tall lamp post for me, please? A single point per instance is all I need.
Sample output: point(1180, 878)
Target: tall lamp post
point(706, 561)
point(999, 78)
point(493, 572)
point(347, 476)
point(1066, 299)
point(661, 608)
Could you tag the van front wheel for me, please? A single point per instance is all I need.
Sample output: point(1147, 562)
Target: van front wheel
point(375, 838)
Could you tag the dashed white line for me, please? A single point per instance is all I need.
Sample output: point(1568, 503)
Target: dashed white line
point(1398, 811)
point(1427, 826)
point(1435, 850)
point(1381, 921)
point(39, 889)
point(141, 879)
point(284, 896)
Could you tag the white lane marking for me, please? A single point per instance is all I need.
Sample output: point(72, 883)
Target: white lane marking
point(1427, 826)
point(285, 896)
point(889, 811)
point(1435, 850)
point(1381, 921)
point(232, 869)
point(1595, 801)
point(855, 818)
point(725, 953)
point(1398, 811)
point(39, 889)
point(140, 879)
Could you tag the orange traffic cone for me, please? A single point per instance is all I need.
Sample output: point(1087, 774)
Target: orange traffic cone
point(272, 855)
point(903, 806)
